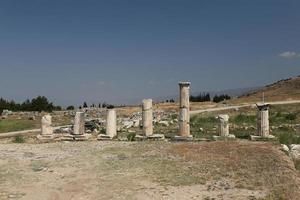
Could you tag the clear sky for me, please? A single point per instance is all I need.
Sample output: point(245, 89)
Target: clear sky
point(122, 51)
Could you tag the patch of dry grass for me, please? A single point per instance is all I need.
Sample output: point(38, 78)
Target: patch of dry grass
point(250, 165)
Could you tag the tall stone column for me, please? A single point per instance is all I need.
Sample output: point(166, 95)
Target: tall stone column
point(147, 117)
point(184, 112)
point(263, 129)
point(224, 125)
point(111, 123)
point(79, 124)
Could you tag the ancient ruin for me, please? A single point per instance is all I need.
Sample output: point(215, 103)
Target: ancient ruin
point(78, 129)
point(111, 125)
point(263, 129)
point(224, 127)
point(184, 110)
point(46, 128)
point(147, 117)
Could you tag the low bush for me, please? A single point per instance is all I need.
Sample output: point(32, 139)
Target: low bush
point(131, 137)
point(19, 139)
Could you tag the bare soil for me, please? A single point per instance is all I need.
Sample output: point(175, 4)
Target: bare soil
point(146, 170)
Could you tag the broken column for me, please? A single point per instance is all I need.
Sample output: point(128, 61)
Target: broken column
point(147, 117)
point(224, 125)
point(224, 128)
point(263, 120)
point(47, 129)
point(263, 129)
point(79, 124)
point(78, 133)
point(111, 123)
point(184, 112)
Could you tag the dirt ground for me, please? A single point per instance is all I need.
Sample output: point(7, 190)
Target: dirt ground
point(146, 170)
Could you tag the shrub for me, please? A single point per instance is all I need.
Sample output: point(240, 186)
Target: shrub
point(103, 130)
point(70, 108)
point(19, 139)
point(241, 118)
point(131, 137)
point(288, 138)
point(291, 116)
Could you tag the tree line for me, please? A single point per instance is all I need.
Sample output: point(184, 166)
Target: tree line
point(39, 103)
point(203, 97)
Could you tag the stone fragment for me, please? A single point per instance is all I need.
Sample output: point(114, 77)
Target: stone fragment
point(295, 151)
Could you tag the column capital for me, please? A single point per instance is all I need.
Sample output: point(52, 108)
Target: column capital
point(183, 83)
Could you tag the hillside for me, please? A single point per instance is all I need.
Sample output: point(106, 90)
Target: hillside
point(286, 89)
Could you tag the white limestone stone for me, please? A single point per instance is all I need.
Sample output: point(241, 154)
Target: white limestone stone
point(263, 129)
point(111, 123)
point(147, 117)
point(224, 125)
point(184, 113)
point(47, 128)
point(79, 124)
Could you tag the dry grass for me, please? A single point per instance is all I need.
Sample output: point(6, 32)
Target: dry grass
point(87, 170)
point(251, 165)
point(288, 89)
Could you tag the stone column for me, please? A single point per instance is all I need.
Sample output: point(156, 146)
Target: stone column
point(224, 125)
point(111, 123)
point(79, 124)
point(147, 117)
point(263, 120)
point(47, 129)
point(184, 112)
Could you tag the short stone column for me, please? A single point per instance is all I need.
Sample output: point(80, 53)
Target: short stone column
point(46, 128)
point(79, 128)
point(147, 117)
point(111, 123)
point(184, 109)
point(263, 120)
point(224, 125)
point(78, 133)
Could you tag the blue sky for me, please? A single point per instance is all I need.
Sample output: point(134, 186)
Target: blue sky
point(121, 51)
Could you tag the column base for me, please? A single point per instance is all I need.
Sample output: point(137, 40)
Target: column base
point(261, 138)
point(46, 138)
point(183, 138)
point(150, 137)
point(72, 137)
point(227, 137)
point(104, 137)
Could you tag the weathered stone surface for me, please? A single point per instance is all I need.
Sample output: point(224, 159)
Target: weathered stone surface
point(285, 148)
point(295, 151)
point(224, 125)
point(183, 138)
point(156, 137)
point(260, 138)
point(263, 129)
point(111, 123)
point(184, 106)
point(79, 128)
point(47, 128)
point(147, 117)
